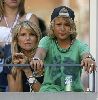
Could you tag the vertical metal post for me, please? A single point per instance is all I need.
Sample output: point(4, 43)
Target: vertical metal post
point(93, 42)
point(96, 46)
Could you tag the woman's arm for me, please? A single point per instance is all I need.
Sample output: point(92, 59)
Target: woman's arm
point(33, 82)
point(15, 83)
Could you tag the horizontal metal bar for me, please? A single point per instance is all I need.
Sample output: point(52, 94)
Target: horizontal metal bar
point(48, 65)
point(26, 65)
point(18, 65)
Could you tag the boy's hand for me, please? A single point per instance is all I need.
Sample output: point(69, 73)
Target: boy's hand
point(89, 64)
point(37, 65)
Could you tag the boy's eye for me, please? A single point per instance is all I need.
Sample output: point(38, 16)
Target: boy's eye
point(58, 24)
point(67, 24)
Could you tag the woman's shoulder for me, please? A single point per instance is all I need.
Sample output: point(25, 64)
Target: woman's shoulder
point(2, 23)
point(30, 17)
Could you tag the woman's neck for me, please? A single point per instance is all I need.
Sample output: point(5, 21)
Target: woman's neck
point(9, 12)
point(28, 54)
point(11, 17)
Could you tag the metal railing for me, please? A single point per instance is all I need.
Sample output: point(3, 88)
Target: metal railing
point(26, 65)
point(55, 65)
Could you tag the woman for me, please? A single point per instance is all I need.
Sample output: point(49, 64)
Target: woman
point(10, 13)
point(26, 36)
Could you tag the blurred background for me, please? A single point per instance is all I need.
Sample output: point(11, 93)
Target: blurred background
point(44, 8)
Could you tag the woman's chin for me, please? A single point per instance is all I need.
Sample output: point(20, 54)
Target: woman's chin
point(27, 49)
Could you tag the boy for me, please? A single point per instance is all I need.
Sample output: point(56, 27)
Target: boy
point(62, 47)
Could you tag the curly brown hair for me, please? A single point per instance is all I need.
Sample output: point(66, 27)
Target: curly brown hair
point(71, 23)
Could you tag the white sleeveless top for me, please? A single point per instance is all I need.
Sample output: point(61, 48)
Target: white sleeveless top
point(5, 32)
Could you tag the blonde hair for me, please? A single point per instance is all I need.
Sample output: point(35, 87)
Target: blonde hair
point(15, 33)
point(72, 26)
point(21, 8)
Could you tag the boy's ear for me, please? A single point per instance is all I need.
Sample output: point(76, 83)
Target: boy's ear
point(51, 25)
point(71, 31)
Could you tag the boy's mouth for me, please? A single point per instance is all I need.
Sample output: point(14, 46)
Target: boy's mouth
point(14, 1)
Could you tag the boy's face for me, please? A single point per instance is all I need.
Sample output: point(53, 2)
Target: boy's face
point(62, 28)
point(27, 40)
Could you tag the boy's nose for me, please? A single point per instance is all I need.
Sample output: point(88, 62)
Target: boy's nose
point(62, 27)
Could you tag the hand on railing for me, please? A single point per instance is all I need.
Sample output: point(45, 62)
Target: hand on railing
point(89, 64)
point(18, 58)
point(38, 67)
